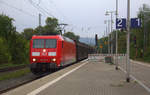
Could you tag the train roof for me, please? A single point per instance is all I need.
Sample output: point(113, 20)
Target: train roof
point(60, 38)
point(47, 37)
point(53, 37)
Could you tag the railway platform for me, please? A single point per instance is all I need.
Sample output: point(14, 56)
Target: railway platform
point(89, 77)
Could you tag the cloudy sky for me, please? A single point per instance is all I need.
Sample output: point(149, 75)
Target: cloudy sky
point(84, 17)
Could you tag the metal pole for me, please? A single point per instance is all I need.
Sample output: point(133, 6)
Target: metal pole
point(40, 22)
point(108, 37)
point(116, 36)
point(106, 30)
point(111, 35)
point(39, 19)
point(144, 35)
point(128, 42)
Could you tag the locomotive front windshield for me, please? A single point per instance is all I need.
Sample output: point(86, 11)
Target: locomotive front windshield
point(44, 43)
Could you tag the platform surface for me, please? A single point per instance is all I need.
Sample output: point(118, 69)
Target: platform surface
point(93, 78)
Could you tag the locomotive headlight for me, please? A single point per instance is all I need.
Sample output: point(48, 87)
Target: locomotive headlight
point(34, 59)
point(54, 59)
point(44, 50)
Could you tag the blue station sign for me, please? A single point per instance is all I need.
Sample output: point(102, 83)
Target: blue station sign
point(134, 23)
point(120, 23)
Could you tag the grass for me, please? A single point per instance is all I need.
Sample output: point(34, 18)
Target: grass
point(15, 74)
point(7, 65)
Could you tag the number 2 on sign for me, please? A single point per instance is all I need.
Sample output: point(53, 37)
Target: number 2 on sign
point(119, 23)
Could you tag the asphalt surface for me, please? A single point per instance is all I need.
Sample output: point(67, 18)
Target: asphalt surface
point(93, 78)
point(140, 70)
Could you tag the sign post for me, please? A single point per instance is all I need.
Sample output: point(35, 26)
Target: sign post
point(122, 23)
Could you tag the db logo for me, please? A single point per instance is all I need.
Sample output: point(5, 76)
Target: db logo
point(44, 53)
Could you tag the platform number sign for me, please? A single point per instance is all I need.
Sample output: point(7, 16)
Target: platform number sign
point(120, 23)
point(135, 23)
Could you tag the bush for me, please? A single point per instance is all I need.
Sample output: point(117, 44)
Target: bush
point(19, 50)
point(5, 56)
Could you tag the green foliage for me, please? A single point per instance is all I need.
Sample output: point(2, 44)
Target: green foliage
point(5, 56)
point(144, 14)
point(6, 26)
point(121, 42)
point(6, 29)
point(104, 43)
point(28, 33)
point(10, 65)
point(71, 35)
point(15, 74)
point(19, 49)
point(51, 26)
point(38, 30)
point(14, 47)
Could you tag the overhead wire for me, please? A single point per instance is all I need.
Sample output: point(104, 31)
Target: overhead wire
point(39, 2)
point(61, 13)
point(20, 10)
point(36, 7)
point(58, 10)
point(72, 26)
point(40, 8)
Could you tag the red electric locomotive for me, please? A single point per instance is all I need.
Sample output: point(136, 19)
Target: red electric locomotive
point(48, 52)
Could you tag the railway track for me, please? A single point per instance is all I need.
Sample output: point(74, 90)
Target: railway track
point(14, 83)
point(13, 68)
point(24, 80)
point(19, 82)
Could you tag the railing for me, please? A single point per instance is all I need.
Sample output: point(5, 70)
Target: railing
point(138, 71)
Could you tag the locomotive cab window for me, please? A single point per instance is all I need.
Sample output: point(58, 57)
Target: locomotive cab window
point(38, 43)
point(44, 43)
point(50, 43)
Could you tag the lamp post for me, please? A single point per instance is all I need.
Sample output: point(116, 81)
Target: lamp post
point(107, 22)
point(111, 14)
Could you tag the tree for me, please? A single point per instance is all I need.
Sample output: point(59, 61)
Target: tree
point(72, 36)
point(6, 26)
point(14, 47)
point(38, 30)
point(5, 56)
point(51, 26)
point(144, 14)
point(28, 33)
point(19, 49)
